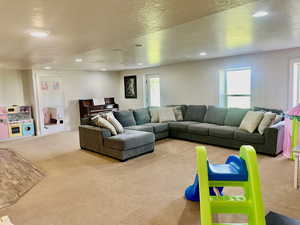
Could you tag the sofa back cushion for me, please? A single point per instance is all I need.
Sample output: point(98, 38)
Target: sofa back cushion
point(277, 111)
point(215, 115)
point(125, 117)
point(141, 116)
point(194, 113)
point(235, 116)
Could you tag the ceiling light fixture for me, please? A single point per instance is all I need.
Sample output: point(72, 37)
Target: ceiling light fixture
point(104, 69)
point(78, 60)
point(260, 14)
point(39, 33)
point(138, 45)
point(203, 53)
point(47, 68)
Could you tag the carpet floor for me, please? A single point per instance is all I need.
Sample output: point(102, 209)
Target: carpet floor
point(84, 188)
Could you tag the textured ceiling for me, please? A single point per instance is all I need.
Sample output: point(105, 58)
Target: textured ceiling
point(77, 27)
point(225, 33)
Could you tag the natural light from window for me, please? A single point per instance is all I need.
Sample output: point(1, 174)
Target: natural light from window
point(238, 88)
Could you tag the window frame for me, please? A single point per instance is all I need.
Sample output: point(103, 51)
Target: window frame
point(225, 95)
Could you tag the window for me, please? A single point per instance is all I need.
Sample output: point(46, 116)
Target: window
point(152, 90)
point(295, 83)
point(237, 88)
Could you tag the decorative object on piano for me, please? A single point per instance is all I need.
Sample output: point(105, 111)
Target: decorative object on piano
point(88, 108)
point(130, 86)
point(16, 121)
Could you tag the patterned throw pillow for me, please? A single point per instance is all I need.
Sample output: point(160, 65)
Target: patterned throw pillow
point(166, 115)
point(101, 122)
point(118, 126)
point(178, 113)
point(268, 119)
point(251, 121)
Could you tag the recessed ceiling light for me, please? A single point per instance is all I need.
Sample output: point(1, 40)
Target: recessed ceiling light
point(203, 53)
point(47, 68)
point(78, 60)
point(39, 33)
point(104, 69)
point(140, 64)
point(260, 14)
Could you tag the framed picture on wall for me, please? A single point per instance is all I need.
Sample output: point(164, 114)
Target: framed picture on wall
point(130, 87)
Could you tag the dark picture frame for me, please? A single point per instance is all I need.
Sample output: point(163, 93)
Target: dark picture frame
point(130, 86)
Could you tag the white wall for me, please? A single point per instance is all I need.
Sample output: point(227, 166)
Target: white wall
point(198, 82)
point(83, 85)
point(11, 88)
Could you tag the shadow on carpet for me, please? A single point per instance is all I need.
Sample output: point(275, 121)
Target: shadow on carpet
point(17, 176)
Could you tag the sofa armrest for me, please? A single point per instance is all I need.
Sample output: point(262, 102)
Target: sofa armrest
point(91, 137)
point(274, 138)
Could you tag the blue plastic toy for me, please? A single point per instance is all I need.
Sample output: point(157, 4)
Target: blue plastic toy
point(233, 170)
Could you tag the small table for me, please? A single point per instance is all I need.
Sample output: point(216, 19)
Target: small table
point(296, 152)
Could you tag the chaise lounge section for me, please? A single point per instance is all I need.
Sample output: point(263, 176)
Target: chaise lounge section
point(204, 124)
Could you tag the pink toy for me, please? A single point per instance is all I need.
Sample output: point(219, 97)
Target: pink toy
point(291, 131)
point(3, 126)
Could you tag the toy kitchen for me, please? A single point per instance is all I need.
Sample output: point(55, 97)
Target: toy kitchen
point(16, 121)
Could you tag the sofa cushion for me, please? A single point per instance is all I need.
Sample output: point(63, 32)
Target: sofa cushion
point(129, 139)
point(235, 116)
point(180, 126)
point(277, 111)
point(268, 119)
point(117, 125)
point(141, 116)
point(178, 113)
point(125, 117)
point(158, 127)
point(102, 122)
point(200, 128)
point(247, 137)
point(194, 113)
point(222, 131)
point(140, 128)
point(215, 115)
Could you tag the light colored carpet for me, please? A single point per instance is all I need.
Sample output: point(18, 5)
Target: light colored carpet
point(83, 188)
point(17, 176)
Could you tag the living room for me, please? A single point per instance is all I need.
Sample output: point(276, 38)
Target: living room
point(100, 126)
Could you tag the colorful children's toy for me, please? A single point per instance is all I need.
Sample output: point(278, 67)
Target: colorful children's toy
point(291, 131)
point(238, 172)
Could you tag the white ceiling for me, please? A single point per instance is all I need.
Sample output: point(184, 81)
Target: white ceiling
point(104, 33)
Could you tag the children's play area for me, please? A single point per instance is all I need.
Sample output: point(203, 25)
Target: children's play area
point(238, 171)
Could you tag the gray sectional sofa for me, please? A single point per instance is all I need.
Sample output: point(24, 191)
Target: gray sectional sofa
point(210, 125)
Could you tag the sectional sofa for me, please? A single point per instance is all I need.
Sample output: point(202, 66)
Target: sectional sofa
point(204, 124)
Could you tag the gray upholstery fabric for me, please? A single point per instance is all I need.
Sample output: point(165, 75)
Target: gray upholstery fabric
point(158, 127)
point(125, 117)
point(141, 116)
point(222, 131)
point(128, 140)
point(141, 128)
point(180, 126)
point(200, 128)
point(161, 135)
point(235, 116)
point(277, 111)
point(194, 113)
point(247, 137)
point(215, 115)
point(128, 154)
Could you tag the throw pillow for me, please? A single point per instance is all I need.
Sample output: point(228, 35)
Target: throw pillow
point(178, 113)
point(166, 115)
point(278, 118)
point(125, 117)
point(266, 122)
point(117, 125)
point(154, 112)
point(101, 122)
point(251, 121)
